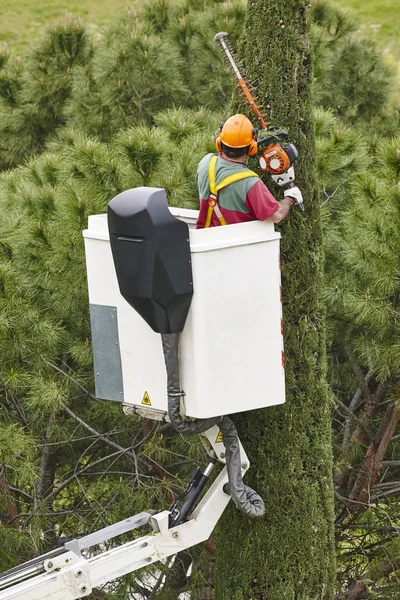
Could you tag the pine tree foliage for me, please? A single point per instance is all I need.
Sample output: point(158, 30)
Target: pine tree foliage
point(134, 74)
point(360, 214)
point(362, 262)
point(341, 154)
point(159, 55)
point(351, 76)
point(45, 353)
point(362, 292)
point(10, 77)
point(153, 56)
point(33, 91)
point(363, 265)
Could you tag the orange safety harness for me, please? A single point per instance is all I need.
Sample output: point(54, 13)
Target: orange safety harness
point(214, 189)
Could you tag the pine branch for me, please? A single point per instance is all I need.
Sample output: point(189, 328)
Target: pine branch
point(392, 493)
point(385, 433)
point(372, 401)
point(175, 579)
point(372, 406)
point(332, 195)
point(368, 473)
point(47, 465)
point(342, 475)
point(369, 527)
point(76, 474)
point(347, 411)
point(21, 492)
point(157, 469)
point(160, 580)
point(128, 452)
point(387, 485)
point(358, 590)
point(359, 374)
point(75, 381)
point(17, 405)
point(353, 406)
point(104, 438)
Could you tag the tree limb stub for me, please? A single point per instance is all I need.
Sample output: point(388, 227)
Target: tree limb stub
point(11, 510)
point(367, 476)
point(345, 409)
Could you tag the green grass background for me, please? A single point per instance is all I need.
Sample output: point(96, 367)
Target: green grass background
point(379, 20)
point(21, 21)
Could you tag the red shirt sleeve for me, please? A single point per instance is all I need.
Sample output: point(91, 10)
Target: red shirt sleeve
point(201, 219)
point(261, 202)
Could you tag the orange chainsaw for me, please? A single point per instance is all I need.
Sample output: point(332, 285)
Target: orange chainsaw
point(278, 157)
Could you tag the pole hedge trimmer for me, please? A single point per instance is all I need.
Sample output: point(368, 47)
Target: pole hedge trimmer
point(276, 157)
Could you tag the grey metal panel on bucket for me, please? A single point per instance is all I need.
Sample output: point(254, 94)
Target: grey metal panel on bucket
point(106, 352)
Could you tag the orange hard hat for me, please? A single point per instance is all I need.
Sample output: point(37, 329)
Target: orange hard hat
point(238, 132)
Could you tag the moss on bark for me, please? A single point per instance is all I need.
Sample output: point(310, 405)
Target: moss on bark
point(290, 554)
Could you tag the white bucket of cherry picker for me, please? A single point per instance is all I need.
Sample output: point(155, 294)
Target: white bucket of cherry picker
point(231, 348)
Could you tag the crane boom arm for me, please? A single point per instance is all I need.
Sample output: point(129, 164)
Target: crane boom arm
point(66, 574)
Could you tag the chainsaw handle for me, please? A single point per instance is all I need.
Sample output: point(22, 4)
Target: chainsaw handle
point(272, 138)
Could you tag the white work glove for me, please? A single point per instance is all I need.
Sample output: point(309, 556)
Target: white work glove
point(294, 193)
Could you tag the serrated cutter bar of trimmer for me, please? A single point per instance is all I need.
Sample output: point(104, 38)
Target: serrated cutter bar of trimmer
point(221, 38)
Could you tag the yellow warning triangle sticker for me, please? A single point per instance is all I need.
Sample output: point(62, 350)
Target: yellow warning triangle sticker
point(146, 399)
point(218, 439)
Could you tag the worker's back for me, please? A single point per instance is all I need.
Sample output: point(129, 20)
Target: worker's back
point(244, 200)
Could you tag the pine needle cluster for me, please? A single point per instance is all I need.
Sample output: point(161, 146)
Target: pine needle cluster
point(33, 90)
point(351, 76)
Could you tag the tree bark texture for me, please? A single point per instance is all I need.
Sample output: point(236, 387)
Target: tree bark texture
point(291, 553)
point(9, 501)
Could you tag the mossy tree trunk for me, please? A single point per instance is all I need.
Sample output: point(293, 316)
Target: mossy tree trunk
point(290, 555)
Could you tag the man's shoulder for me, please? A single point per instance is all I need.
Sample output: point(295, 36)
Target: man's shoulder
point(253, 181)
point(204, 161)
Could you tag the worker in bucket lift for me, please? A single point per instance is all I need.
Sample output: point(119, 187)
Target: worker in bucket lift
point(239, 194)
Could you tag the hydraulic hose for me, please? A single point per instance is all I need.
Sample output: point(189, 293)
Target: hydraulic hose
point(245, 499)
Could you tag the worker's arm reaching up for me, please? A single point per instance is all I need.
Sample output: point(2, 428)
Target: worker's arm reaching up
point(262, 204)
point(283, 210)
point(292, 196)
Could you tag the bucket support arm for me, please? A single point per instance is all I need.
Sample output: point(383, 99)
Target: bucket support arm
point(66, 574)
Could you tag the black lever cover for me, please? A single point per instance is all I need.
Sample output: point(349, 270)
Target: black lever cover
point(152, 260)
